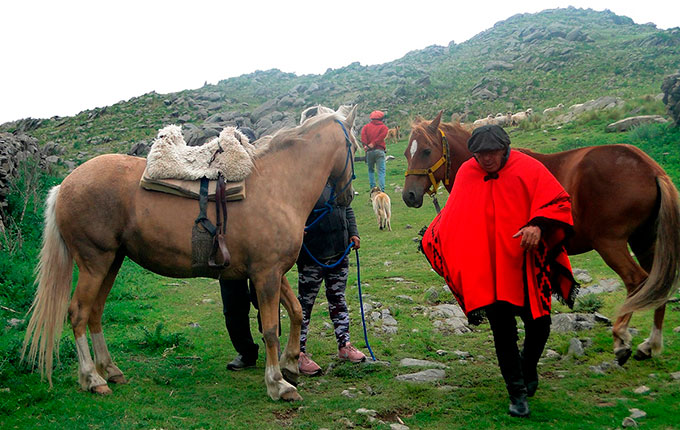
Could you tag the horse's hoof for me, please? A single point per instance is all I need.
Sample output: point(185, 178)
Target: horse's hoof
point(622, 355)
point(290, 377)
point(291, 396)
point(641, 355)
point(103, 390)
point(117, 379)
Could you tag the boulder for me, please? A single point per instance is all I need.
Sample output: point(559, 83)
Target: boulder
point(634, 121)
point(671, 96)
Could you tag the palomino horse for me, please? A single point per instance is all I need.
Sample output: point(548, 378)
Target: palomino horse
point(99, 214)
point(620, 197)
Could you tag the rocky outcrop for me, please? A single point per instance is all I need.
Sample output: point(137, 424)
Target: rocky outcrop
point(671, 96)
point(14, 151)
point(634, 121)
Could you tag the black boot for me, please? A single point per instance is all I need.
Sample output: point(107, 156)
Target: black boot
point(241, 362)
point(519, 406)
point(530, 375)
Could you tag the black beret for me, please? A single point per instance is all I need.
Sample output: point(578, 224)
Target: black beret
point(488, 138)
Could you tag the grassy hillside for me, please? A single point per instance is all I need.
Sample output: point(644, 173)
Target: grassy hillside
point(168, 336)
point(532, 60)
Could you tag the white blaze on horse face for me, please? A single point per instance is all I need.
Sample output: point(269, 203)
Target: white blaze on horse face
point(414, 147)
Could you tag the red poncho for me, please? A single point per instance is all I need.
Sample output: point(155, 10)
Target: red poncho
point(470, 242)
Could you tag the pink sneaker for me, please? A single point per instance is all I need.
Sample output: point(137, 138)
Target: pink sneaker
point(349, 352)
point(307, 366)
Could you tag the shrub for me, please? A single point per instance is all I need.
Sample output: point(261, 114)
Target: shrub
point(589, 303)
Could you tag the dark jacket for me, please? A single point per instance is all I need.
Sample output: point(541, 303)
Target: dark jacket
point(329, 237)
point(374, 132)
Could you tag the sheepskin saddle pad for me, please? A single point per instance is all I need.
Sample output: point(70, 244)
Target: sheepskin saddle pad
point(175, 168)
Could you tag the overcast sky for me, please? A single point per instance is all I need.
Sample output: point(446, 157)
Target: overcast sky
point(62, 57)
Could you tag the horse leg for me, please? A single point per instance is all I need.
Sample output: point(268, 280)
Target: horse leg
point(616, 255)
point(102, 359)
point(291, 354)
point(89, 283)
point(653, 345)
point(268, 295)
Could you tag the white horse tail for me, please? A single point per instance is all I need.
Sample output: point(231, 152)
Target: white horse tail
point(54, 273)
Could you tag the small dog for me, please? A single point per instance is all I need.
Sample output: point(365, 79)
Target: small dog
point(393, 134)
point(382, 208)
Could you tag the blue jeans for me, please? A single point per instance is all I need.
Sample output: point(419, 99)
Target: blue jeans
point(375, 158)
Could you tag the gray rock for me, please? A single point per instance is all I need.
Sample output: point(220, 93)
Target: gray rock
point(635, 121)
point(642, 389)
point(429, 375)
point(671, 96)
point(462, 354)
point(405, 298)
point(397, 426)
point(414, 362)
point(549, 353)
point(564, 323)
point(675, 376)
point(367, 412)
point(582, 276)
point(629, 422)
point(575, 348)
point(636, 413)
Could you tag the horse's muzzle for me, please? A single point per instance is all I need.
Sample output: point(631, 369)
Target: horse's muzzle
point(411, 199)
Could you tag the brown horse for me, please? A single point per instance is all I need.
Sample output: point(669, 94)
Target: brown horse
point(99, 214)
point(620, 197)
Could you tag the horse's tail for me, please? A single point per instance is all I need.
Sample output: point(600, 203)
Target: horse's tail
point(54, 274)
point(654, 291)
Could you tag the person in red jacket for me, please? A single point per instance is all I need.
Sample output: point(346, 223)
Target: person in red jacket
point(373, 137)
point(499, 244)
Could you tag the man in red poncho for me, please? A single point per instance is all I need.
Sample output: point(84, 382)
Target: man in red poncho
point(498, 242)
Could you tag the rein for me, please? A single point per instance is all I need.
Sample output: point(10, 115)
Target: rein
point(443, 160)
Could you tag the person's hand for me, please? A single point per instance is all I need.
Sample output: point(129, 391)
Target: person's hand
point(531, 235)
point(356, 242)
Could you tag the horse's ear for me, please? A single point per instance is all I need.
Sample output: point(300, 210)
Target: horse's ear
point(434, 125)
point(351, 116)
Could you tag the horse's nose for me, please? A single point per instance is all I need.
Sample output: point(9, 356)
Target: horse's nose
point(409, 198)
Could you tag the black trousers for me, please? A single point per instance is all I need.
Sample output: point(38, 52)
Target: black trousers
point(518, 369)
point(236, 300)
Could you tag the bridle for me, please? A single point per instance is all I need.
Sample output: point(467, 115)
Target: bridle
point(443, 160)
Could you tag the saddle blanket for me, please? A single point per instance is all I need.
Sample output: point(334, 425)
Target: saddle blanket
point(191, 189)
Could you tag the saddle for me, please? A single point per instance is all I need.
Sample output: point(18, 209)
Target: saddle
point(209, 244)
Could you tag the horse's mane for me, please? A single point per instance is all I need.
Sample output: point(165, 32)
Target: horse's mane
point(289, 136)
point(452, 129)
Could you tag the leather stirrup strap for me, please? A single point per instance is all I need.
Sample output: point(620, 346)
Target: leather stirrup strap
point(203, 208)
point(220, 258)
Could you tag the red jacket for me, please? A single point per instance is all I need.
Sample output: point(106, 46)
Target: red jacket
point(373, 135)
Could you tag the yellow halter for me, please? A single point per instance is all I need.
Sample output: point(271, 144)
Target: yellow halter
point(443, 160)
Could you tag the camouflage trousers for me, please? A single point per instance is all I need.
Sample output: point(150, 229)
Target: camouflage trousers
point(310, 277)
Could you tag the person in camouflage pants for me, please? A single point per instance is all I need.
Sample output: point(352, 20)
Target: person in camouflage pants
point(309, 282)
point(327, 238)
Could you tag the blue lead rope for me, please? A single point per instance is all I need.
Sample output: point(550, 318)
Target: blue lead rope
point(361, 306)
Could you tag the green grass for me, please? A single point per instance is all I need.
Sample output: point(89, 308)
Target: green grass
point(178, 378)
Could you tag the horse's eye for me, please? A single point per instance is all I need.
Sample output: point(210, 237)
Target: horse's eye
point(427, 152)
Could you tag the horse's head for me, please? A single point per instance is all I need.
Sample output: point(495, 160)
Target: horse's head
point(343, 168)
point(424, 155)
